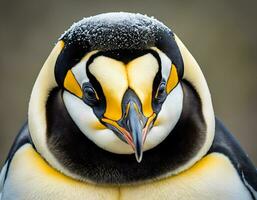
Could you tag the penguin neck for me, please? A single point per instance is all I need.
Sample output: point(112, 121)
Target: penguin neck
point(79, 155)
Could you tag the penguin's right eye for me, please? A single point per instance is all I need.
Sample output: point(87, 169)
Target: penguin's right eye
point(89, 95)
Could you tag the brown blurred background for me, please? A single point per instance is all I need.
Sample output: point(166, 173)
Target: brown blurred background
point(220, 34)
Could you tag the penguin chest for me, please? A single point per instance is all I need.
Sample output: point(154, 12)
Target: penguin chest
point(214, 177)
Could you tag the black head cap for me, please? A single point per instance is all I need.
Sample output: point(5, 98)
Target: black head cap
point(115, 31)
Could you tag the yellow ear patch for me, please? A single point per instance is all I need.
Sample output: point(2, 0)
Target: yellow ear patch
point(172, 80)
point(71, 84)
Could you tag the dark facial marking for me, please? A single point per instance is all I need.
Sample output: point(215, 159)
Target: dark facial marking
point(68, 58)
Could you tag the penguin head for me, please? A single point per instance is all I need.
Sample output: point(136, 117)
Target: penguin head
point(115, 88)
point(119, 78)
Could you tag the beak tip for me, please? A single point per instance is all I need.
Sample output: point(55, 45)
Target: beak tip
point(139, 156)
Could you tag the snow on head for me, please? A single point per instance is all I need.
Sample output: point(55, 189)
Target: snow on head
point(118, 30)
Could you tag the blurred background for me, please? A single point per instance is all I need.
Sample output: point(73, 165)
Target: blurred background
point(220, 34)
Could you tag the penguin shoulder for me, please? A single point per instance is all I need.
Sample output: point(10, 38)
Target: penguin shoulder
point(21, 139)
point(225, 143)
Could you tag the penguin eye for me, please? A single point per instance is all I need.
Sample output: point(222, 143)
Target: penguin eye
point(89, 95)
point(161, 93)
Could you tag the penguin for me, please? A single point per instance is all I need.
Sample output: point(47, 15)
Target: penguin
point(121, 110)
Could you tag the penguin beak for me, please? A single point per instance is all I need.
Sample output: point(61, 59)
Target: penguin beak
point(132, 128)
point(135, 125)
point(138, 126)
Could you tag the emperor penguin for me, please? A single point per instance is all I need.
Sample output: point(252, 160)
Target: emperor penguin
point(121, 110)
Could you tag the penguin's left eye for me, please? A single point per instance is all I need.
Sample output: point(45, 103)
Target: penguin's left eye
point(161, 93)
point(89, 95)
